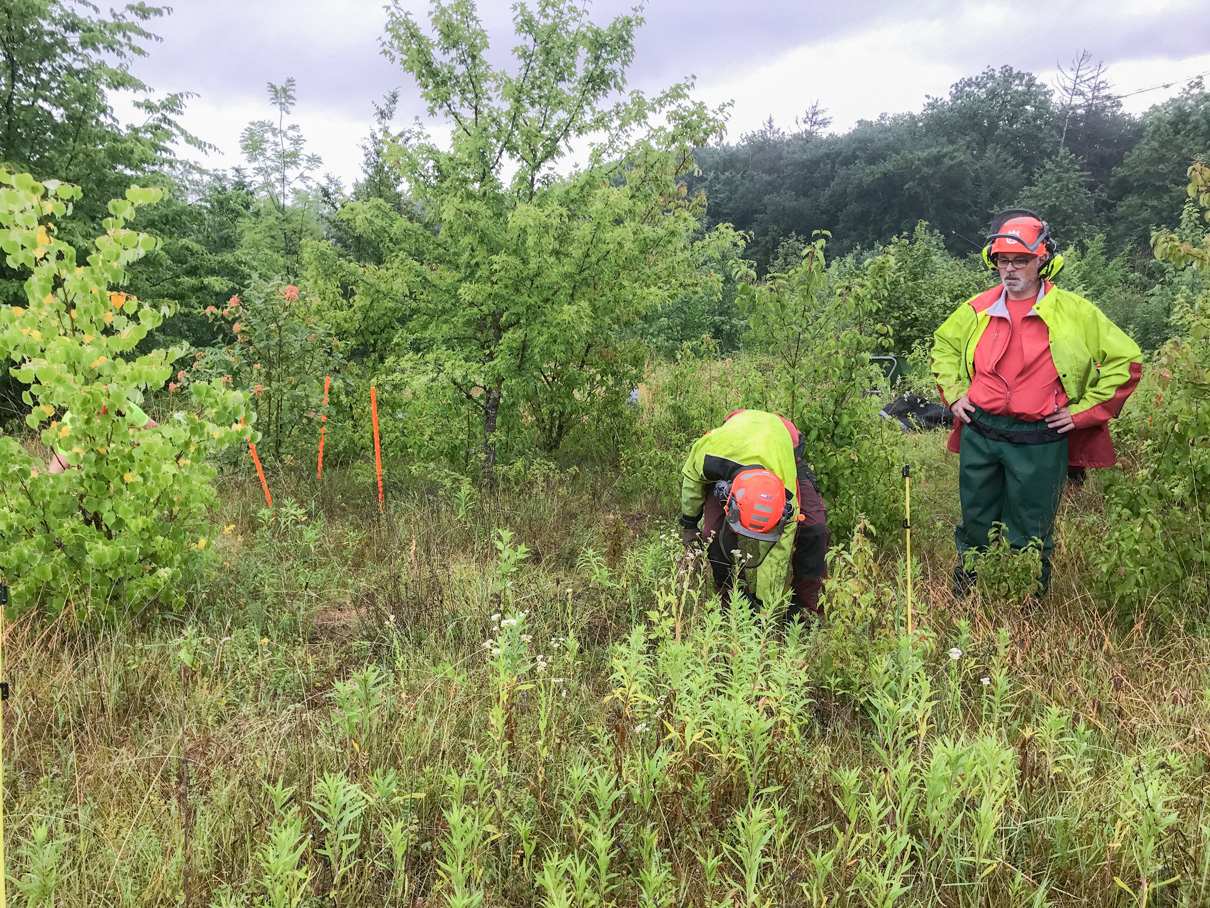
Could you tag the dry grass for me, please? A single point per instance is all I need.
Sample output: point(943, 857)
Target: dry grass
point(145, 748)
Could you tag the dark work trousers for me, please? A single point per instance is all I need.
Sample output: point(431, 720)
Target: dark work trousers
point(808, 562)
point(1010, 472)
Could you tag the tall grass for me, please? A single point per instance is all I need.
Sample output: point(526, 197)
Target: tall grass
point(516, 697)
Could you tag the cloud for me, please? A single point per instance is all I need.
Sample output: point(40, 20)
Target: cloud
point(773, 58)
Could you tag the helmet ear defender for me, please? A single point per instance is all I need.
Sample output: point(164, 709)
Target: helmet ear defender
point(750, 502)
point(1054, 263)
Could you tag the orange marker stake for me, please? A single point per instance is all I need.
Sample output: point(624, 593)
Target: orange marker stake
point(323, 418)
point(377, 448)
point(259, 472)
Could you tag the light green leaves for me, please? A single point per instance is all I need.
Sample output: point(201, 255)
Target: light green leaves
point(122, 526)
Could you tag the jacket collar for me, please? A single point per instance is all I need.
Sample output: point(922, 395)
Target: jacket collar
point(992, 300)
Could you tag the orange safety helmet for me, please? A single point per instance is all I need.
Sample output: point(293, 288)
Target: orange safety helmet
point(1021, 235)
point(758, 505)
point(1021, 231)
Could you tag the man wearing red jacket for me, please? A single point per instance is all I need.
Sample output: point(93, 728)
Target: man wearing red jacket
point(1032, 374)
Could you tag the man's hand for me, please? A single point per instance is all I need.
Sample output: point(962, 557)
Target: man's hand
point(1062, 420)
point(962, 409)
point(692, 537)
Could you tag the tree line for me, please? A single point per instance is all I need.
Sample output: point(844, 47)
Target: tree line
point(1000, 139)
point(484, 267)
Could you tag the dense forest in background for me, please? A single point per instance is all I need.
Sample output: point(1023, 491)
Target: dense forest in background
point(1000, 138)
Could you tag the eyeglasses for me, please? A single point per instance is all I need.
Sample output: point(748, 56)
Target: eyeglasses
point(1018, 262)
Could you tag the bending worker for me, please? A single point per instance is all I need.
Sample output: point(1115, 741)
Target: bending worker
point(762, 510)
point(1033, 375)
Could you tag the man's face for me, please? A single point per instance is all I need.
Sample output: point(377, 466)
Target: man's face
point(1019, 274)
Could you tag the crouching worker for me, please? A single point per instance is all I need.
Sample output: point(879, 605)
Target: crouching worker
point(762, 516)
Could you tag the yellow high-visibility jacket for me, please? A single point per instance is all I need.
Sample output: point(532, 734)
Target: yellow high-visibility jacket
point(749, 438)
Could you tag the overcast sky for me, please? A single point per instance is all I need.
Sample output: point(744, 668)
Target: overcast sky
point(772, 58)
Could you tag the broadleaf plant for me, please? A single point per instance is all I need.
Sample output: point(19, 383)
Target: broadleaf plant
point(125, 524)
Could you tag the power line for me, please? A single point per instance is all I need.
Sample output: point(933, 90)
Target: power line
point(1131, 94)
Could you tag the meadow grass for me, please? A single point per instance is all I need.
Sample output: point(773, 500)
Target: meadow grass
point(522, 696)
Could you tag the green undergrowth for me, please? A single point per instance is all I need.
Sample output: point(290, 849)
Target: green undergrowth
point(523, 696)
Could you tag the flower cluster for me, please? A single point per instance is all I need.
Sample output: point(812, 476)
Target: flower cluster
point(507, 639)
point(512, 648)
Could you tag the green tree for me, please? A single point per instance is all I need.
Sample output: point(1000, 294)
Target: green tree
point(814, 341)
point(60, 63)
point(198, 262)
point(521, 276)
point(708, 317)
point(278, 353)
point(281, 175)
point(1060, 192)
point(1148, 182)
point(1094, 128)
point(1002, 109)
point(916, 284)
point(1158, 515)
point(126, 524)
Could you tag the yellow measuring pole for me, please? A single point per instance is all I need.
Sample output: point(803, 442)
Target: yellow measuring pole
point(908, 533)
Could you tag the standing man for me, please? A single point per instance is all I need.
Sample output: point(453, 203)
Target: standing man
point(762, 510)
point(1032, 374)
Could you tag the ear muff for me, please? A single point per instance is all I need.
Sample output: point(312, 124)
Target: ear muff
point(1051, 269)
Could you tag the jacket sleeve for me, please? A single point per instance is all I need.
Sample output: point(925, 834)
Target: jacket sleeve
point(693, 486)
point(947, 357)
point(1120, 367)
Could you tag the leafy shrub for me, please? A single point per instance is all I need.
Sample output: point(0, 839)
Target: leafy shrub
point(279, 353)
point(1158, 512)
point(1143, 313)
point(815, 344)
point(1006, 575)
point(915, 284)
point(704, 317)
point(126, 523)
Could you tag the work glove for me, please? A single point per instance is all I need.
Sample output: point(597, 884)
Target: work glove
point(692, 537)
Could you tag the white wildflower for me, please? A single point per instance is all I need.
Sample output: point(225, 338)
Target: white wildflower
point(955, 654)
point(985, 680)
point(496, 617)
point(640, 728)
point(495, 650)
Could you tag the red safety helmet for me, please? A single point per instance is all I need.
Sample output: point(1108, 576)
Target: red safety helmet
point(1023, 235)
point(758, 505)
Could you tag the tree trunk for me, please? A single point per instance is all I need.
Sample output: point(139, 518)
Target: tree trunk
point(491, 414)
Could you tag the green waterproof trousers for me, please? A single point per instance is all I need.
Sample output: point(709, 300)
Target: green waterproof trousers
point(1014, 477)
